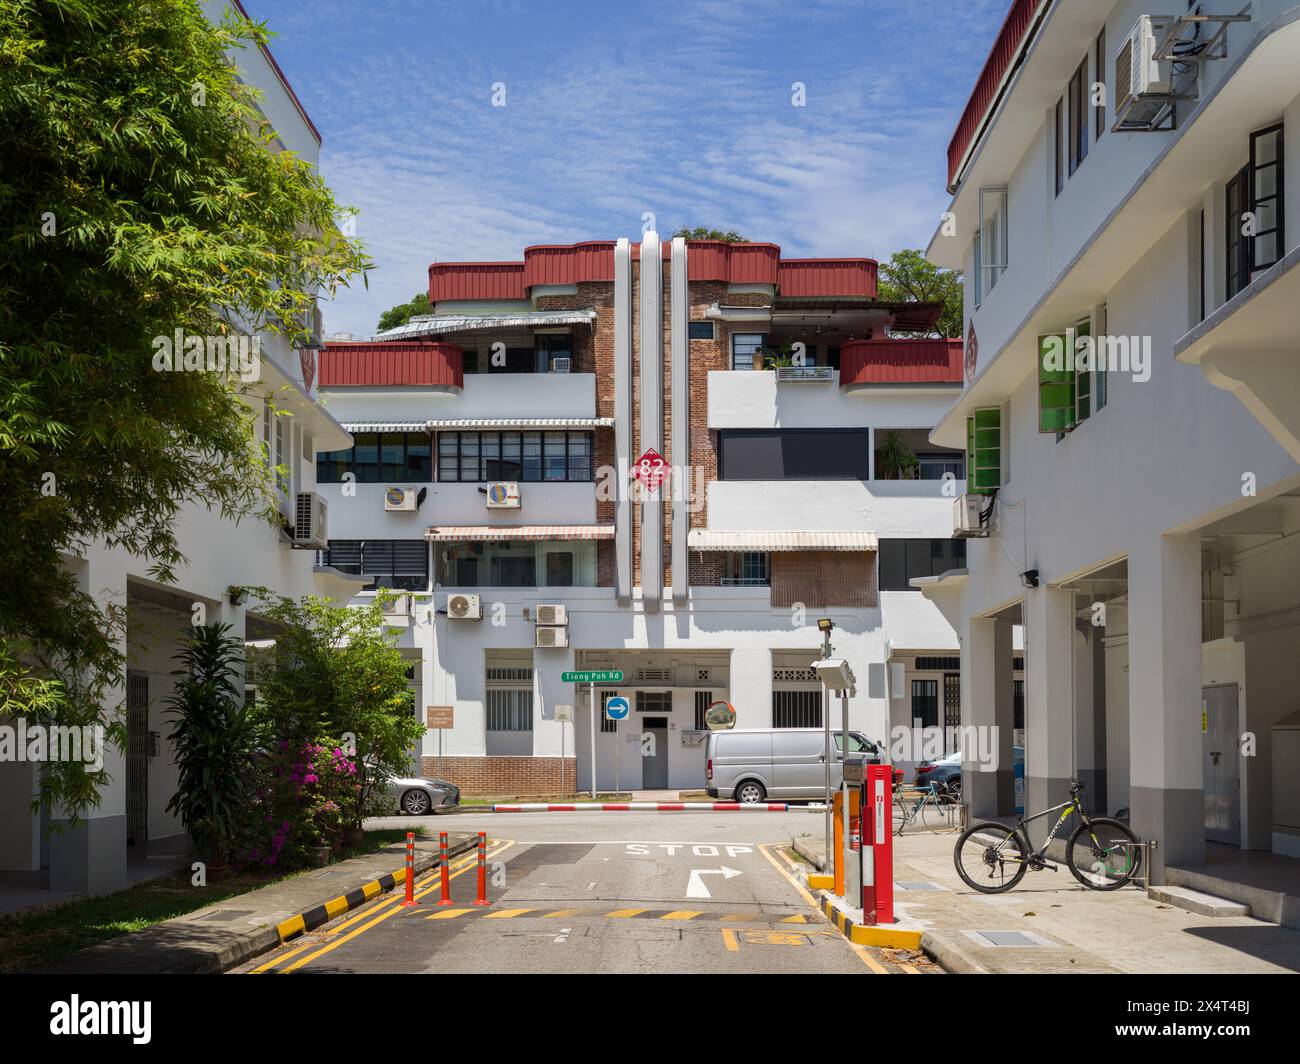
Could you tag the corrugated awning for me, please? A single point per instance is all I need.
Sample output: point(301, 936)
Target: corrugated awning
point(523, 423)
point(442, 324)
point(503, 532)
point(707, 539)
point(386, 426)
point(481, 423)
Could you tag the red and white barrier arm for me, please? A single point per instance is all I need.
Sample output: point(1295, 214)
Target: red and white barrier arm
point(653, 807)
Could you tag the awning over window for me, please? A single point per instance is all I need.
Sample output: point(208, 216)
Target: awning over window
point(442, 324)
point(523, 423)
point(503, 532)
point(706, 540)
point(386, 426)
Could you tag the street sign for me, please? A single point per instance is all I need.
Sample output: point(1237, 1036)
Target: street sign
point(617, 708)
point(593, 676)
point(564, 712)
point(438, 716)
point(651, 469)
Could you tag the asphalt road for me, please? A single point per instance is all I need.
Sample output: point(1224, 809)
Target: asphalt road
point(602, 892)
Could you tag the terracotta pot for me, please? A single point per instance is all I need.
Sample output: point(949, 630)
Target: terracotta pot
point(321, 854)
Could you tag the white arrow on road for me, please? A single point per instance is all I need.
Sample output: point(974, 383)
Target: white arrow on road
point(695, 887)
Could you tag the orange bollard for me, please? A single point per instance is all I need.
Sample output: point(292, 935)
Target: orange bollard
point(410, 871)
point(446, 879)
point(482, 870)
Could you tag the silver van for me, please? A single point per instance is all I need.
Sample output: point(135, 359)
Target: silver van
point(754, 764)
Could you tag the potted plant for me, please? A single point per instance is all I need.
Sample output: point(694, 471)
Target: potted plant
point(894, 459)
point(214, 739)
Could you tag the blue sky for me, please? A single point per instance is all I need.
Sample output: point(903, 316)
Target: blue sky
point(615, 108)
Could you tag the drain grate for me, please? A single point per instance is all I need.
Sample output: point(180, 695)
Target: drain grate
point(225, 915)
point(1004, 939)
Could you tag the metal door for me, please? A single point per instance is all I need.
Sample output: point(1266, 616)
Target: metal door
point(951, 711)
point(1220, 730)
point(137, 757)
point(654, 768)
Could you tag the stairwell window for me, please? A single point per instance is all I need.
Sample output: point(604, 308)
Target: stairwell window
point(990, 241)
point(1058, 145)
point(1078, 98)
point(1254, 216)
point(1099, 77)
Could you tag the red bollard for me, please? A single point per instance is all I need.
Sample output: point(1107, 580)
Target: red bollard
point(446, 879)
point(410, 871)
point(482, 870)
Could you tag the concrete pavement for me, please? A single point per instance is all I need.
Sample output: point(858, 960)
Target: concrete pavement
point(1050, 923)
point(631, 892)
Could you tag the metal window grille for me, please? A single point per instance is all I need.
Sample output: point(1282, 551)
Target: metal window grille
point(510, 710)
point(797, 709)
point(703, 699)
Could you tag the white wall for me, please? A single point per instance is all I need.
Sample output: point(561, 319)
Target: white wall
point(896, 509)
point(749, 399)
point(485, 395)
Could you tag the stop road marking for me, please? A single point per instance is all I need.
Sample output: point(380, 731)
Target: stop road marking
point(643, 849)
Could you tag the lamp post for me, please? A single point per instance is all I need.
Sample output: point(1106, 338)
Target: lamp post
point(837, 676)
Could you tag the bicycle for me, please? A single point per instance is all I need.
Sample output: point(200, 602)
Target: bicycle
point(1102, 853)
point(928, 809)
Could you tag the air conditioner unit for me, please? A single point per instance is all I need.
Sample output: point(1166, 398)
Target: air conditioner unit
point(502, 495)
point(561, 365)
point(966, 517)
point(1139, 73)
point(465, 607)
point(309, 531)
point(550, 636)
point(400, 500)
point(552, 615)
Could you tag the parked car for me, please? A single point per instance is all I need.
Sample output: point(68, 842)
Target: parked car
point(754, 764)
point(416, 796)
point(944, 773)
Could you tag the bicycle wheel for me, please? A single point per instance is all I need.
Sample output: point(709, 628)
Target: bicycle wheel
point(1103, 854)
point(990, 857)
point(937, 815)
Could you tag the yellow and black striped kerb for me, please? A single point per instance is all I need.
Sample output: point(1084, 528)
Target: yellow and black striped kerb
point(322, 914)
point(870, 934)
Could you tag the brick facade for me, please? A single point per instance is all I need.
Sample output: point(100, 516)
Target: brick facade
point(522, 776)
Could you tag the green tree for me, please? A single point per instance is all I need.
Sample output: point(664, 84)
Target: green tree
point(908, 275)
point(335, 671)
point(701, 232)
point(142, 191)
point(404, 312)
point(215, 740)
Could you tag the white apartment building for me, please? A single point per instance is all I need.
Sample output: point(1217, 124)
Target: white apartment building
point(1142, 521)
point(491, 483)
point(130, 834)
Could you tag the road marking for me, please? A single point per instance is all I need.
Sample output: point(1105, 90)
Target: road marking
point(448, 914)
point(682, 914)
point(506, 914)
point(389, 909)
point(563, 936)
point(695, 887)
point(730, 941)
point(562, 912)
point(625, 914)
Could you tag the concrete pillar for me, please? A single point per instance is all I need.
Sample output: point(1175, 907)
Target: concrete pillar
point(1165, 794)
point(90, 855)
point(987, 704)
point(751, 687)
point(20, 830)
point(1050, 756)
point(548, 691)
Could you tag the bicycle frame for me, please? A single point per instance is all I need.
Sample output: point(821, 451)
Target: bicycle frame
point(1072, 806)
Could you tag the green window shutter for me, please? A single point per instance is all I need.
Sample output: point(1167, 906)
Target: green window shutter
point(984, 450)
point(1082, 378)
point(1056, 411)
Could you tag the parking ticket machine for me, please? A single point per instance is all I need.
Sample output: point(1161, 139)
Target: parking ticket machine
point(877, 855)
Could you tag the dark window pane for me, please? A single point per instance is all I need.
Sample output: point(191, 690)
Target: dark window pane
point(559, 570)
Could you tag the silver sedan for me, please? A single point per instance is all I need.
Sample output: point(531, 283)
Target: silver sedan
point(416, 796)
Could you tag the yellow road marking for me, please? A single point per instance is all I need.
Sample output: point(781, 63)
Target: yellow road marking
point(730, 940)
point(562, 912)
point(764, 849)
point(740, 916)
point(864, 955)
point(624, 914)
point(372, 888)
point(909, 969)
point(390, 910)
point(682, 914)
point(448, 914)
point(798, 918)
point(506, 914)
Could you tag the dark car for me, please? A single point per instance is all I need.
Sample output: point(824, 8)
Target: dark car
point(945, 774)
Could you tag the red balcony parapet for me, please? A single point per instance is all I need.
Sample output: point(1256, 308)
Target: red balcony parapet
point(354, 363)
point(890, 361)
